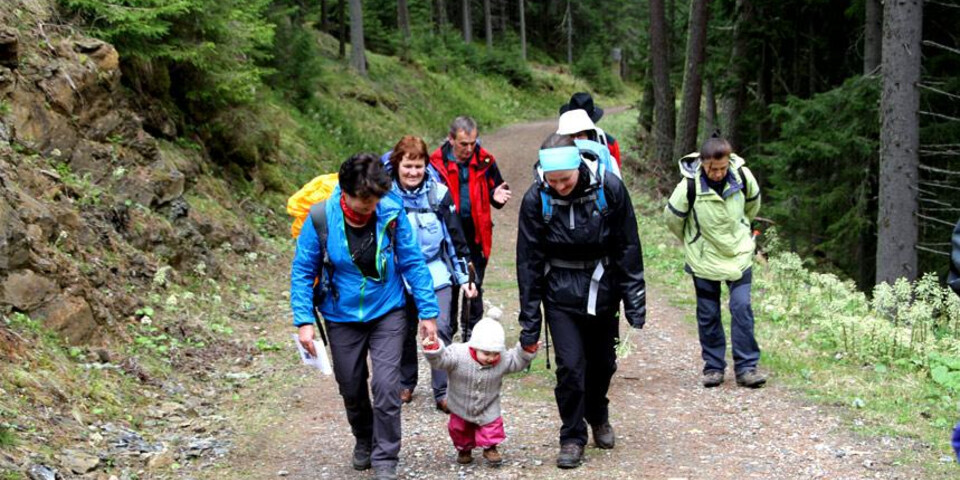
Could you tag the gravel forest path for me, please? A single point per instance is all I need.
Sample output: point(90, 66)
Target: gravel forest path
point(667, 425)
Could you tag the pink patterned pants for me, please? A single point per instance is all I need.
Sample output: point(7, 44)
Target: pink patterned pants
point(467, 435)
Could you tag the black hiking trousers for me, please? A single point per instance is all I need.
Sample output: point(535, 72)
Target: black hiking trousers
point(586, 361)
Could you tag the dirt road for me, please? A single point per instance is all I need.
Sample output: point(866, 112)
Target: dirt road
point(667, 425)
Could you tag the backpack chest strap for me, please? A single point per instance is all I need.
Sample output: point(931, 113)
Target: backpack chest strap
point(598, 266)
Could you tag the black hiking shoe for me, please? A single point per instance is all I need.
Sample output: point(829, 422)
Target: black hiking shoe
point(385, 472)
point(571, 455)
point(603, 435)
point(713, 378)
point(361, 455)
point(751, 378)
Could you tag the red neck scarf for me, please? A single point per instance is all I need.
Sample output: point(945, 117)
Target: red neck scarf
point(473, 354)
point(352, 216)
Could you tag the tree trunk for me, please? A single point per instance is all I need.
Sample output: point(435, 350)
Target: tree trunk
point(504, 17)
point(569, 16)
point(899, 141)
point(671, 16)
point(343, 29)
point(523, 31)
point(710, 110)
point(440, 10)
point(403, 22)
point(645, 118)
point(487, 24)
point(664, 108)
point(872, 37)
point(765, 86)
point(467, 27)
point(358, 58)
point(403, 19)
point(692, 79)
point(324, 16)
point(735, 102)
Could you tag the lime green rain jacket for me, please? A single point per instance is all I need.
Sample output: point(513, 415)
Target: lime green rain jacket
point(717, 239)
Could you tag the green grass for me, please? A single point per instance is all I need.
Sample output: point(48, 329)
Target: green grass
point(8, 438)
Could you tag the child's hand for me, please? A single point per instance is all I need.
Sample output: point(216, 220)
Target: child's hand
point(430, 342)
point(532, 348)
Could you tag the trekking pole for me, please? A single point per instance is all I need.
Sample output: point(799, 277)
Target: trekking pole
point(467, 303)
point(546, 336)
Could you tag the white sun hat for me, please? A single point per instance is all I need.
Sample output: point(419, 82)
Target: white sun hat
point(574, 121)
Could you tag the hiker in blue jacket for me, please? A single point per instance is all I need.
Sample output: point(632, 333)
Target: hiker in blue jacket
point(436, 225)
point(369, 244)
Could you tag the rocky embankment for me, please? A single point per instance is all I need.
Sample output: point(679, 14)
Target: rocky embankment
point(99, 194)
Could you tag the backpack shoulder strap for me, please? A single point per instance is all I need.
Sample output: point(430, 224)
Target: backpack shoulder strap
point(318, 216)
point(746, 188)
point(433, 198)
point(546, 206)
point(601, 199)
point(691, 193)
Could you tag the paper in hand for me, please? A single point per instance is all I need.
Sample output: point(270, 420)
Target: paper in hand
point(321, 362)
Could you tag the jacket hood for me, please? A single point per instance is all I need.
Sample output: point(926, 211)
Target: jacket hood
point(690, 163)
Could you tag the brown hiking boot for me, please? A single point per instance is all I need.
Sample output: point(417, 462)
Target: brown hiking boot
point(571, 454)
point(713, 378)
point(465, 457)
point(406, 395)
point(603, 435)
point(492, 456)
point(751, 378)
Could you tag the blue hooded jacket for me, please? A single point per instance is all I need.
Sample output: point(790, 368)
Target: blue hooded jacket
point(355, 297)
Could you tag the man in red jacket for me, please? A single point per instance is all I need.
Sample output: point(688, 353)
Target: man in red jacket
point(475, 183)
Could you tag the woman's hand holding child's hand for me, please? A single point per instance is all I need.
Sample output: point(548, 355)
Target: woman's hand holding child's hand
point(532, 348)
point(430, 343)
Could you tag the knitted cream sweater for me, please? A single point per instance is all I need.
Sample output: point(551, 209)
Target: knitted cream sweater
point(473, 390)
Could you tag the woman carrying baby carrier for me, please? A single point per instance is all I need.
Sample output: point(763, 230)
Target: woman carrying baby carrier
point(579, 256)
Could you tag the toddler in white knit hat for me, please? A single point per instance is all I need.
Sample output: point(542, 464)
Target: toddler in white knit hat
point(475, 373)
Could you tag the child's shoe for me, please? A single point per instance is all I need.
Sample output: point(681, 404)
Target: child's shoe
point(492, 456)
point(465, 457)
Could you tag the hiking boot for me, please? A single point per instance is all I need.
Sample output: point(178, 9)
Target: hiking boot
point(492, 456)
point(751, 378)
point(361, 455)
point(603, 435)
point(571, 454)
point(464, 457)
point(385, 472)
point(406, 395)
point(442, 406)
point(713, 378)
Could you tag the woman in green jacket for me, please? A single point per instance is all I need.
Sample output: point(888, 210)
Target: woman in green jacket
point(710, 212)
